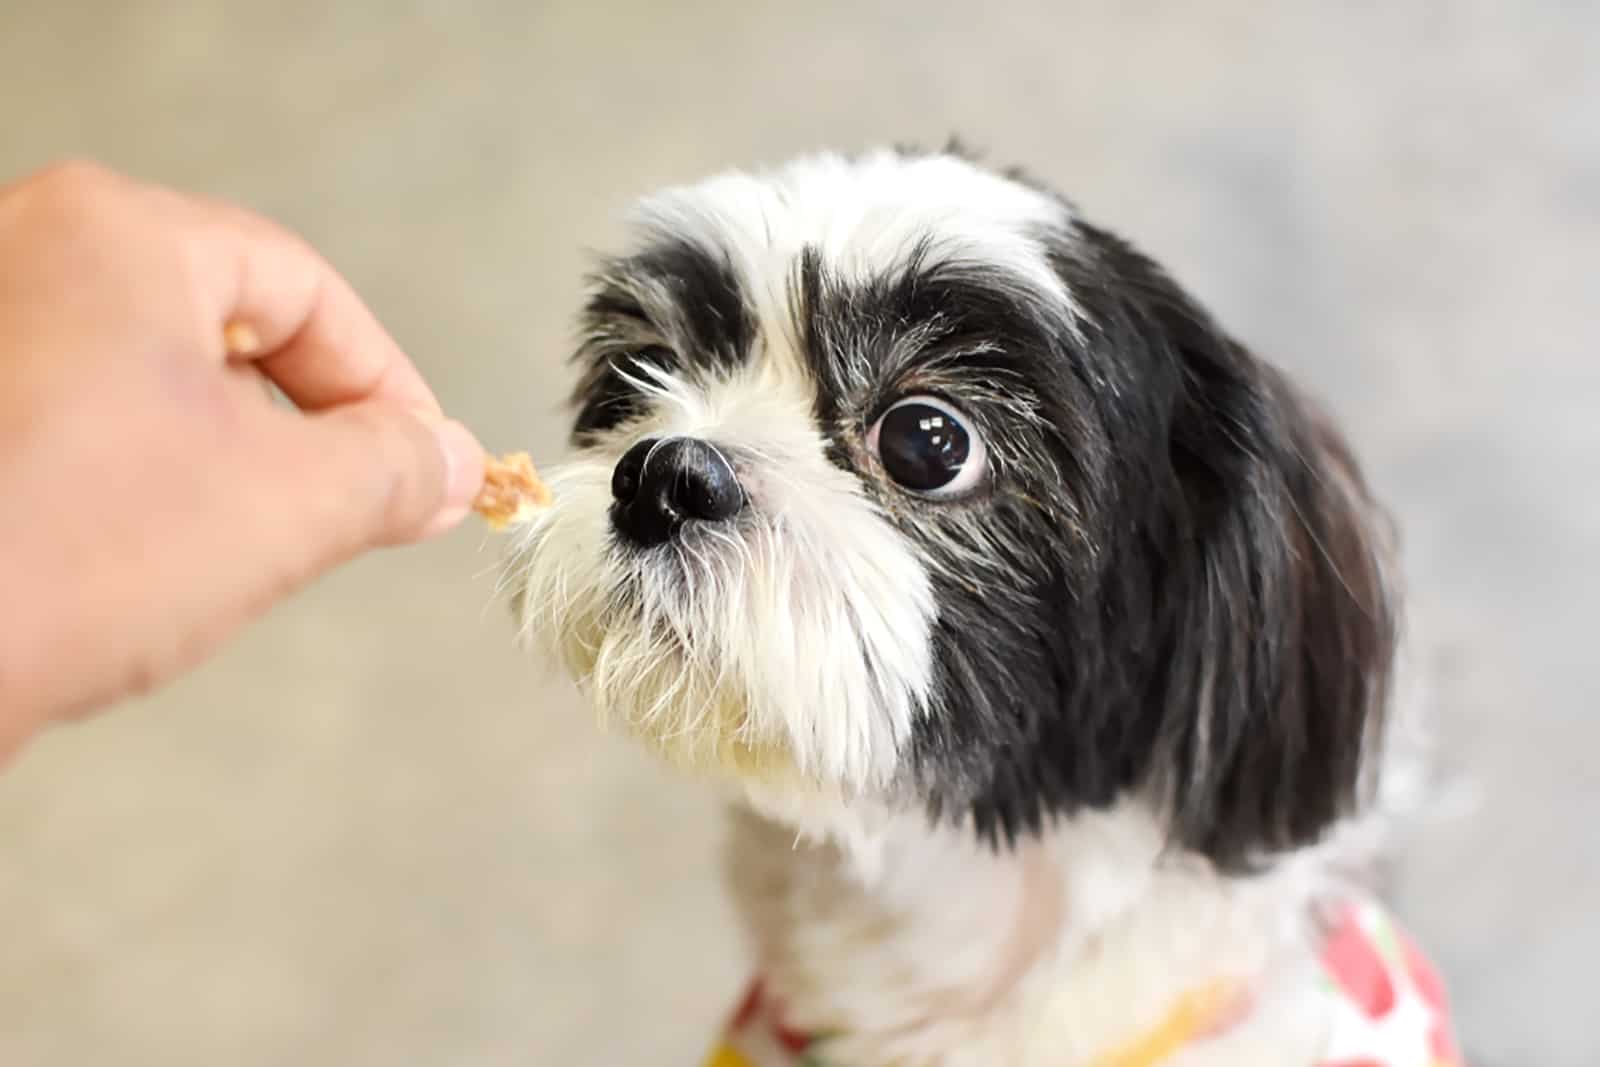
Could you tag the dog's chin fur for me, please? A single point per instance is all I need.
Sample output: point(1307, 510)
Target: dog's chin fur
point(1109, 721)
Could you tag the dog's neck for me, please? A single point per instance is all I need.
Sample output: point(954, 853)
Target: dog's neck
point(917, 943)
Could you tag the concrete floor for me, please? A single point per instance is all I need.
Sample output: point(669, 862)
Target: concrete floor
point(371, 833)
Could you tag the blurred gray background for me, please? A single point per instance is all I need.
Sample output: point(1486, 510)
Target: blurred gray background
point(372, 833)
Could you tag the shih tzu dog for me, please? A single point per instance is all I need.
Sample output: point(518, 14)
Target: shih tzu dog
point(1047, 636)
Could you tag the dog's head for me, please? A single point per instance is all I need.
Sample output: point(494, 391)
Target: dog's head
point(897, 479)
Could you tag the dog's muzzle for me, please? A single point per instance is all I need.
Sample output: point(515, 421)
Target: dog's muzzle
point(662, 483)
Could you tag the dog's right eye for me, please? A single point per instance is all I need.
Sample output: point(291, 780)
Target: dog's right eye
point(929, 448)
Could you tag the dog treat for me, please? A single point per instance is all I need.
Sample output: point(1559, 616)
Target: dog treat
point(511, 492)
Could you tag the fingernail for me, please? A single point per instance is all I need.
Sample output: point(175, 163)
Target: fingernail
point(464, 470)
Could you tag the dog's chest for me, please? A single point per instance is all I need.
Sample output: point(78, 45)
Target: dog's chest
point(1375, 1001)
point(958, 959)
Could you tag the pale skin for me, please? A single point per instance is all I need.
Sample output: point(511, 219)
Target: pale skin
point(153, 497)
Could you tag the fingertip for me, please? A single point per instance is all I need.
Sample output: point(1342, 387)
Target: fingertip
point(464, 460)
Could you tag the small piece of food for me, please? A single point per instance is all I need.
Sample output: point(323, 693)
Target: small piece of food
point(511, 492)
point(241, 339)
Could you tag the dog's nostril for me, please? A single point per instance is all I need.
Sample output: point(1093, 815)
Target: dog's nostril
point(658, 485)
point(625, 479)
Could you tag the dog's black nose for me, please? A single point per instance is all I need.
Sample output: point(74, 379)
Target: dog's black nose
point(661, 483)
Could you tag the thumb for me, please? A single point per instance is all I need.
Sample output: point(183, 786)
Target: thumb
point(383, 476)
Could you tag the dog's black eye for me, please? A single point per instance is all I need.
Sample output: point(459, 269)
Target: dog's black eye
point(928, 448)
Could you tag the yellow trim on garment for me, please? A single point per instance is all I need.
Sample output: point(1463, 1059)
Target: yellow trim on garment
point(727, 1056)
point(1197, 1013)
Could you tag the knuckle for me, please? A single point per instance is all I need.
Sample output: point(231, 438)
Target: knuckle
point(74, 181)
point(74, 202)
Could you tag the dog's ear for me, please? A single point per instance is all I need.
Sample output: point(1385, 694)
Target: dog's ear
point(1281, 633)
point(1275, 630)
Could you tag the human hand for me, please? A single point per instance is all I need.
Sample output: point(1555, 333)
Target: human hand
point(155, 497)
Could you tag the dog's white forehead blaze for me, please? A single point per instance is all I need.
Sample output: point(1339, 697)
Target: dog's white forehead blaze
point(864, 216)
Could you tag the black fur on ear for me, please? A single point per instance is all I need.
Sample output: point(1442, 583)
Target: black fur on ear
point(1266, 671)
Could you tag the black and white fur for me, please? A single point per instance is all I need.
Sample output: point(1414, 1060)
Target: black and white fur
point(1056, 748)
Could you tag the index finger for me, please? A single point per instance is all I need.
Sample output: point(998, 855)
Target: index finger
point(286, 308)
